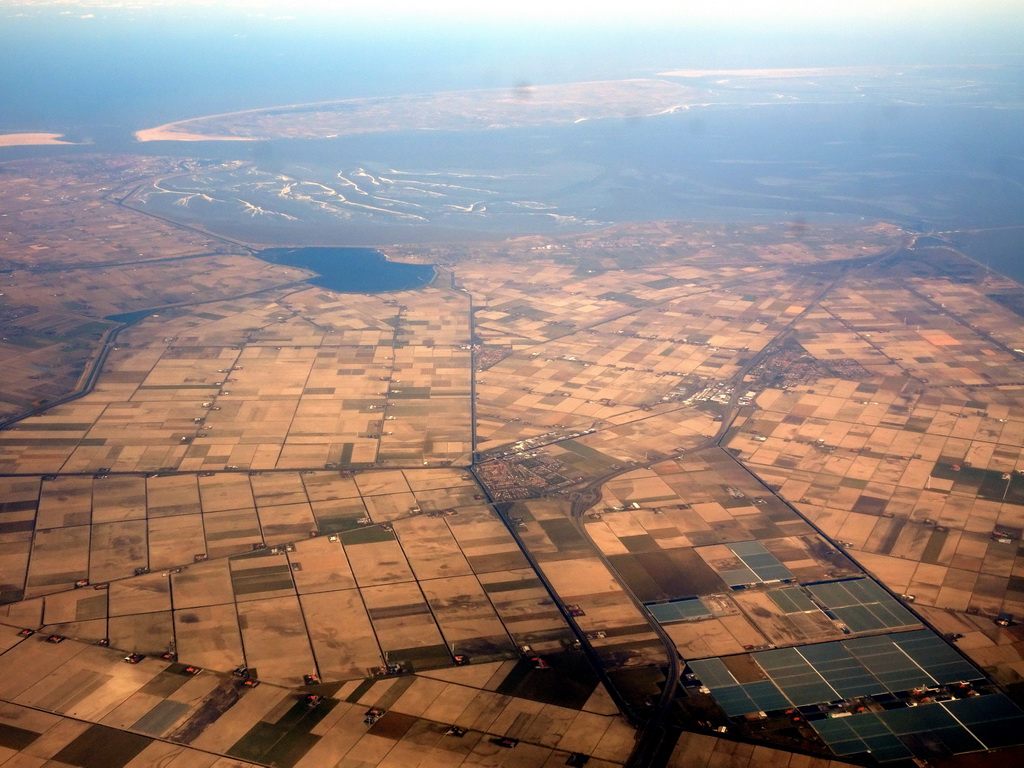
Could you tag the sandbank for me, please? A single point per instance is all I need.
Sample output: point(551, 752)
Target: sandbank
point(31, 139)
point(170, 133)
point(803, 72)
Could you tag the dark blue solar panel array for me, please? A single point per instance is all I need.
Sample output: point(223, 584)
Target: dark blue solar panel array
point(890, 657)
point(761, 696)
point(995, 720)
point(844, 673)
point(679, 610)
point(884, 659)
point(861, 733)
point(798, 679)
point(963, 725)
point(932, 653)
point(864, 667)
point(713, 673)
point(816, 674)
point(931, 723)
point(862, 605)
point(792, 600)
point(736, 698)
point(761, 561)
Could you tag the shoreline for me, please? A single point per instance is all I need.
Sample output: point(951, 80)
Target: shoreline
point(997, 269)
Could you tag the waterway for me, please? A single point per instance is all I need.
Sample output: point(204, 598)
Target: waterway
point(352, 270)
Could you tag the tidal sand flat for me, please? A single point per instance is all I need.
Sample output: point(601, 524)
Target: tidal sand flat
point(31, 139)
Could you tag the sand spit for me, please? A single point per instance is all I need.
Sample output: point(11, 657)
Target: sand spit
point(31, 139)
point(170, 132)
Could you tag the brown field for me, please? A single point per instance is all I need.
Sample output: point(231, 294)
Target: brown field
point(276, 476)
point(55, 692)
point(356, 598)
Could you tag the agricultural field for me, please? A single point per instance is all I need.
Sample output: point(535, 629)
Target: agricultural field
point(520, 502)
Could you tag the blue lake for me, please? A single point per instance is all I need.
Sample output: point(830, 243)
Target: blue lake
point(352, 270)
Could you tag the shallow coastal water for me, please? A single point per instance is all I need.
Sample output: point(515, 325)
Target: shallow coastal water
point(929, 160)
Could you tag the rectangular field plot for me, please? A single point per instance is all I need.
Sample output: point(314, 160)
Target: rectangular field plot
point(143, 594)
point(405, 626)
point(275, 639)
point(117, 548)
point(225, 491)
point(208, 636)
point(430, 547)
point(485, 541)
point(238, 578)
point(803, 622)
point(320, 565)
point(466, 617)
point(59, 556)
point(700, 639)
point(286, 522)
point(119, 498)
point(376, 557)
point(525, 607)
point(670, 573)
point(278, 488)
point(341, 634)
point(175, 540)
point(337, 515)
point(260, 576)
point(77, 605)
point(65, 501)
point(381, 483)
point(329, 486)
point(231, 532)
point(172, 495)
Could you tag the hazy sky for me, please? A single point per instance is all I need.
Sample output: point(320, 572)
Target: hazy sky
point(840, 17)
point(678, 11)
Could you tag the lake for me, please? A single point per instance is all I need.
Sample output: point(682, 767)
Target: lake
point(352, 270)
